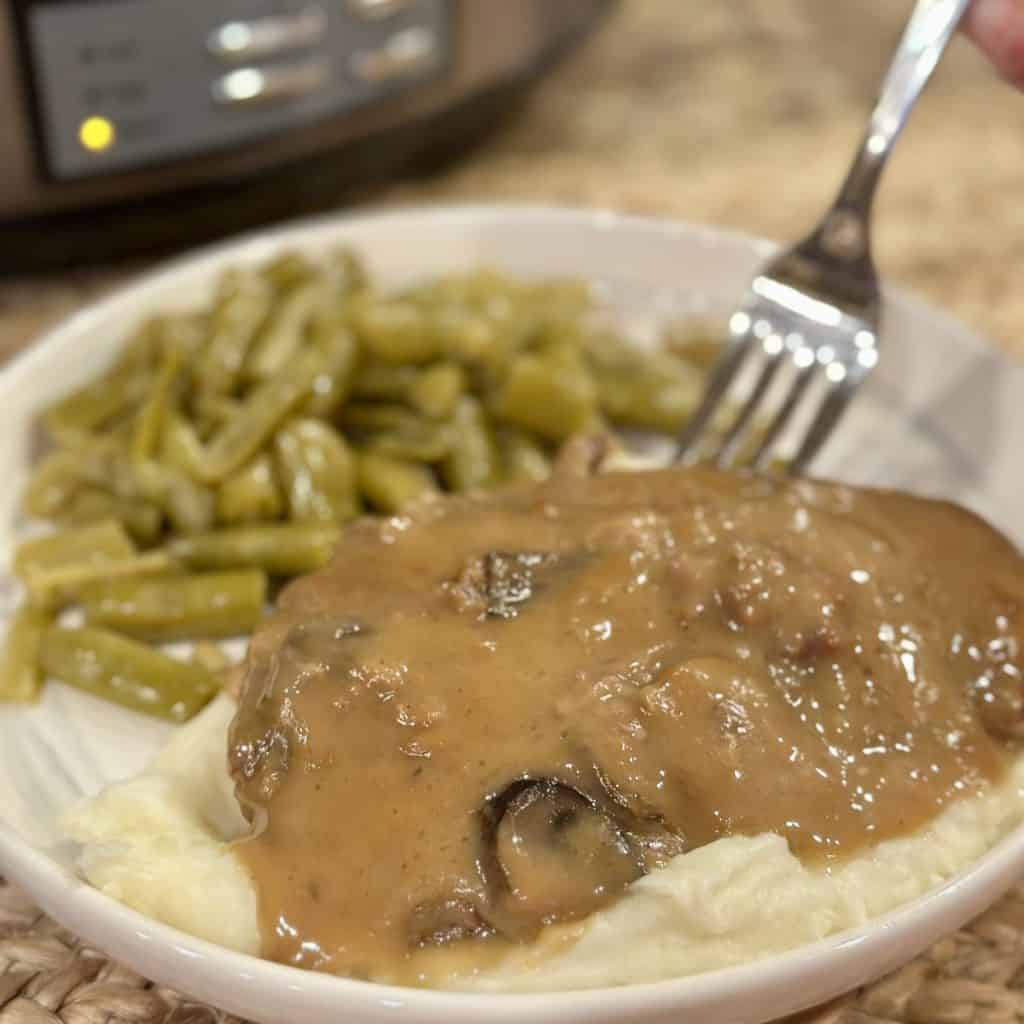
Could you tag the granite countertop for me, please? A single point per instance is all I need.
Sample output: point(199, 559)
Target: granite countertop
point(742, 114)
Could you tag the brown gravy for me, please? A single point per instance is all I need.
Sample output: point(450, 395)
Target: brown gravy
point(496, 712)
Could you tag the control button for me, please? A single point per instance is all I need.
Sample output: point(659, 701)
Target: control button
point(250, 86)
point(377, 10)
point(403, 54)
point(265, 37)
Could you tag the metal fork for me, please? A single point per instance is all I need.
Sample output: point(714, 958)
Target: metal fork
point(813, 313)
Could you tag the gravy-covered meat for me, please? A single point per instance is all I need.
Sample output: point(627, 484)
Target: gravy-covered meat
point(495, 713)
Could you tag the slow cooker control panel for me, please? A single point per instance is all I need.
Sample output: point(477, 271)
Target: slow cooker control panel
point(128, 83)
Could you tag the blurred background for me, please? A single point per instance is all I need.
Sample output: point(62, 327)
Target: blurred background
point(133, 129)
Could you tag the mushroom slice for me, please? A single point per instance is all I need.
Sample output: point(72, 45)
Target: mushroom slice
point(447, 920)
point(583, 456)
point(561, 855)
point(500, 583)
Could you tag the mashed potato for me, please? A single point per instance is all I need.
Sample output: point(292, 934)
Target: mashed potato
point(159, 843)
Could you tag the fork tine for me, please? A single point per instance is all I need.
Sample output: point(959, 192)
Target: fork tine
point(764, 381)
point(833, 406)
point(722, 377)
point(805, 374)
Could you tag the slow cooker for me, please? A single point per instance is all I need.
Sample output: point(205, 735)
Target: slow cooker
point(139, 123)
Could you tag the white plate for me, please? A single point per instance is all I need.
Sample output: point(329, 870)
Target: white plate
point(944, 415)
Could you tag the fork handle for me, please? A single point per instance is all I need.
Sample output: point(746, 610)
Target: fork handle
point(929, 30)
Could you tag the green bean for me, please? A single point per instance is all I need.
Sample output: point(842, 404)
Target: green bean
point(481, 330)
point(483, 283)
point(211, 411)
point(105, 467)
point(429, 442)
point(436, 391)
point(564, 299)
point(477, 288)
point(242, 304)
point(142, 519)
point(21, 676)
point(289, 270)
point(346, 270)
point(189, 506)
point(97, 543)
point(210, 656)
point(649, 390)
point(561, 352)
point(250, 494)
point(265, 407)
point(369, 416)
point(116, 437)
point(395, 332)
point(699, 343)
point(52, 485)
point(330, 336)
point(522, 457)
point(554, 333)
point(473, 460)
point(126, 672)
point(90, 408)
point(61, 585)
point(465, 336)
point(141, 351)
point(284, 331)
point(150, 421)
point(185, 332)
point(281, 549)
point(512, 340)
point(547, 397)
point(390, 484)
point(206, 606)
point(92, 463)
point(396, 431)
point(180, 445)
point(652, 402)
point(317, 470)
point(383, 381)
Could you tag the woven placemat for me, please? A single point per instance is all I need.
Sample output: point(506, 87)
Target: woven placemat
point(48, 977)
